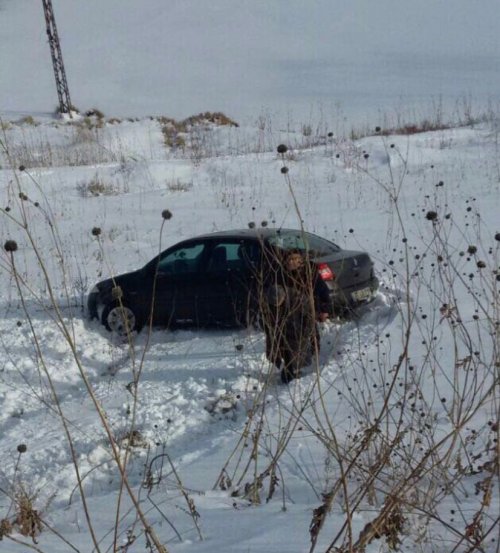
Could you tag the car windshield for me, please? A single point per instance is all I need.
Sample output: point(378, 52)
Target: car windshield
point(304, 241)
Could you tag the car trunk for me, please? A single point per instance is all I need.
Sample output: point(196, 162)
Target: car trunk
point(351, 268)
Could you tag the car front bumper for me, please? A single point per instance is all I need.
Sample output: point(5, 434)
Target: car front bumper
point(93, 305)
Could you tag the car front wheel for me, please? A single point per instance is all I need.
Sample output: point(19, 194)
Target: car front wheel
point(120, 319)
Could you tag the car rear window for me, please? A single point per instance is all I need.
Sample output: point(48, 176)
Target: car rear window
point(304, 241)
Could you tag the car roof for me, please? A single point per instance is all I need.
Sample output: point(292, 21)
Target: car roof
point(259, 233)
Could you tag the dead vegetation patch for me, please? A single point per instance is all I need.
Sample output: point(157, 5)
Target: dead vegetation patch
point(132, 439)
point(175, 132)
point(407, 130)
point(26, 519)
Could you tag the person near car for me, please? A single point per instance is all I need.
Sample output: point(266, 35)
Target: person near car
point(296, 298)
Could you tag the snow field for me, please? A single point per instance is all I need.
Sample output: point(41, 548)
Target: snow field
point(402, 403)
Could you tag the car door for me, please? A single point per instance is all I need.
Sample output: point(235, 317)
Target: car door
point(178, 280)
point(229, 281)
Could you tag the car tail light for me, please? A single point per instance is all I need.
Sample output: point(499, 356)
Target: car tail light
point(325, 272)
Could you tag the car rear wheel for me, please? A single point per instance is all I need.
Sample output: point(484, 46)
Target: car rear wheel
point(120, 319)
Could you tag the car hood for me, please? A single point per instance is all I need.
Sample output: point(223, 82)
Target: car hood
point(125, 280)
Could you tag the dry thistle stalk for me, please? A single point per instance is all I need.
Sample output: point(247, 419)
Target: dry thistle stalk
point(5, 528)
point(319, 515)
point(27, 519)
point(389, 523)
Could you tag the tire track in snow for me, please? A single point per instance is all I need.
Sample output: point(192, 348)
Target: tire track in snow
point(184, 373)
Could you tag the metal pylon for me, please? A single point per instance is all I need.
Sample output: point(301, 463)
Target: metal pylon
point(57, 60)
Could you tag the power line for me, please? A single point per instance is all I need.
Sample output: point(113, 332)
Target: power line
point(57, 59)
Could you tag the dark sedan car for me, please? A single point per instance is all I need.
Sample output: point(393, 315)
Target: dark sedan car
point(217, 279)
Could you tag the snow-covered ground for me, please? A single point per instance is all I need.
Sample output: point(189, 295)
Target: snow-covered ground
point(391, 439)
point(403, 406)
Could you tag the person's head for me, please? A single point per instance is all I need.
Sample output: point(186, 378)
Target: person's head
point(294, 260)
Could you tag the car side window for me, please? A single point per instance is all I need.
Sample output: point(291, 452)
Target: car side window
point(182, 261)
point(230, 256)
point(250, 254)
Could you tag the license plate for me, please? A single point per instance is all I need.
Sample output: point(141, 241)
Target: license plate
point(361, 295)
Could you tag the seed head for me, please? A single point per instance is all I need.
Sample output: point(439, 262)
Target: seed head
point(10, 246)
point(22, 167)
point(472, 250)
point(251, 224)
point(282, 149)
point(431, 215)
point(284, 170)
point(497, 236)
point(116, 292)
point(96, 231)
point(21, 448)
point(166, 214)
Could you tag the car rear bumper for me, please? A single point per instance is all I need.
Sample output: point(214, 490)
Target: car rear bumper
point(350, 297)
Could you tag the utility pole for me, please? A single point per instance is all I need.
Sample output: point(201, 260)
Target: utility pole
point(57, 60)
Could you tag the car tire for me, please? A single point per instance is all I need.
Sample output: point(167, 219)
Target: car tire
point(120, 319)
